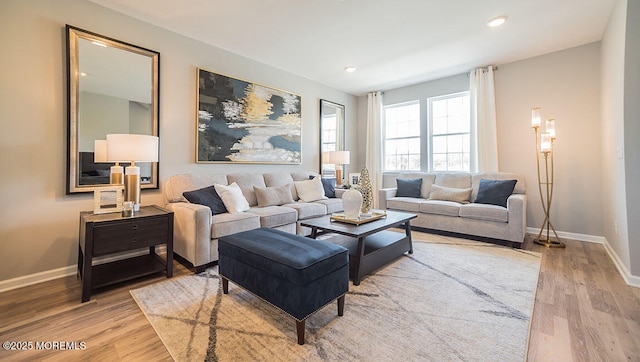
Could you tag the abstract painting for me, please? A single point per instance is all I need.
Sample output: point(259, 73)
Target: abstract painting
point(243, 122)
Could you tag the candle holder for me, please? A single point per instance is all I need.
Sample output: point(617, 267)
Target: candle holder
point(547, 140)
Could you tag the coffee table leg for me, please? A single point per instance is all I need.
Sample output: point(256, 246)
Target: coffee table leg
point(407, 230)
point(360, 251)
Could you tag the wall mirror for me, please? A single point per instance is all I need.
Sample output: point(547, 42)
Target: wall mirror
point(331, 133)
point(113, 87)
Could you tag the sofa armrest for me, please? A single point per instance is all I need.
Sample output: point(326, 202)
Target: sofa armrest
point(340, 192)
point(517, 215)
point(191, 231)
point(384, 195)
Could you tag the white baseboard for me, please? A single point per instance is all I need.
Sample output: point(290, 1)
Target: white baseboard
point(622, 269)
point(572, 236)
point(36, 278)
point(26, 280)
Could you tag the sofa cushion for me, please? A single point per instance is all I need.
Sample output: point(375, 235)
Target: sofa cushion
point(273, 196)
point(520, 188)
point(308, 209)
point(247, 181)
point(232, 198)
point(332, 205)
point(409, 187)
point(274, 216)
point(176, 185)
point(208, 197)
point(456, 180)
point(273, 179)
point(329, 186)
point(450, 194)
point(310, 190)
point(495, 192)
point(428, 179)
point(227, 224)
point(411, 204)
point(449, 208)
point(485, 212)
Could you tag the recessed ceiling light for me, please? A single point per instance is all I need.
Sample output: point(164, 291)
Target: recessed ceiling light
point(497, 21)
point(350, 69)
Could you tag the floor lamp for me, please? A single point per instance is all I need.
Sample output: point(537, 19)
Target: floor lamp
point(137, 148)
point(547, 140)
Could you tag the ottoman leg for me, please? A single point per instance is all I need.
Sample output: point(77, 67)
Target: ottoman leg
point(225, 285)
point(300, 330)
point(341, 306)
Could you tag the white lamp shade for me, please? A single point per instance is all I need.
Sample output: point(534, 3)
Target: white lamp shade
point(545, 142)
point(326, 158)
point(132, 147)
point(339, 157)
point(535, 117)
point(551, 128)
point(100, 151)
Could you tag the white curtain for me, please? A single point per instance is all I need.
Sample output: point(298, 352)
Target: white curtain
point(483, 120)
point(373, 150)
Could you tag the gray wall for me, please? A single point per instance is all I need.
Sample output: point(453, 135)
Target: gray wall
point(619, 146)
point(38, 222)
point(566, 86)
point(632, 130)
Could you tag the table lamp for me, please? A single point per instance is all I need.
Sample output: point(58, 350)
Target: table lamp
point(339, 158)
point(136, 148)
point(116, 176)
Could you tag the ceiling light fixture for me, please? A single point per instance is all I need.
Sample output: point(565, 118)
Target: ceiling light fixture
point(497, 21)
point(350, 69)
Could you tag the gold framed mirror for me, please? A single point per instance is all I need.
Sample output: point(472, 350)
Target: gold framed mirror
point(331, 133)
point(113, 87)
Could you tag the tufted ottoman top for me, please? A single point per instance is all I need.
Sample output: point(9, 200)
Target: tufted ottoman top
point(296, 259)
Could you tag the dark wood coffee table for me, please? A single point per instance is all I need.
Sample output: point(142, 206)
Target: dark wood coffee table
point(371, 245)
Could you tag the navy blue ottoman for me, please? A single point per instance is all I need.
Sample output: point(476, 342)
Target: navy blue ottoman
point(296, 274)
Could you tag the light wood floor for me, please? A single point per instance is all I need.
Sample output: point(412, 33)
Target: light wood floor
point(583, 311)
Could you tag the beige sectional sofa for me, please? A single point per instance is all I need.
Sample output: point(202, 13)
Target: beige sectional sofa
point(196, 230)
point(477, 219)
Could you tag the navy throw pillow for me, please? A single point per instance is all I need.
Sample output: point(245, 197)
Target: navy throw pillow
point(208, 197)
point(409, 187)
point(495, 192)
point(329, 186)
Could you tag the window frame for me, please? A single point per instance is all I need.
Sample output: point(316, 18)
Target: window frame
point(419, 137)
point(430, 134)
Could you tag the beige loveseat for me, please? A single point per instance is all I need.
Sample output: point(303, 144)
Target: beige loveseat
point(470, 218)
point(196, 230)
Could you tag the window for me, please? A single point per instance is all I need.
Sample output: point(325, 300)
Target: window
point(450, 132)
point(402, 137)
point(329, 132)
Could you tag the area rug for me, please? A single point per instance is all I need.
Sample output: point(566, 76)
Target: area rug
point(453, 299)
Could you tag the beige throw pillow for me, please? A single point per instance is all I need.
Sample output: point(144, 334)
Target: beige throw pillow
point(310, 190)
point(450, 194)
point(273, 196)
point(232, 198)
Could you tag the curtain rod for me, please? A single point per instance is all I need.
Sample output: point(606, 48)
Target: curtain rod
point(494, 67)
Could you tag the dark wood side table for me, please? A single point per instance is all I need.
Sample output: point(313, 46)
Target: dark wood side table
point(105, 234)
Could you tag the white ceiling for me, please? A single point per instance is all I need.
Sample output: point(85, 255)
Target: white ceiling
point(393, 43)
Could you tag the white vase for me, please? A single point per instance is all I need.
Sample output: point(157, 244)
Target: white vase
point(352, 203)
